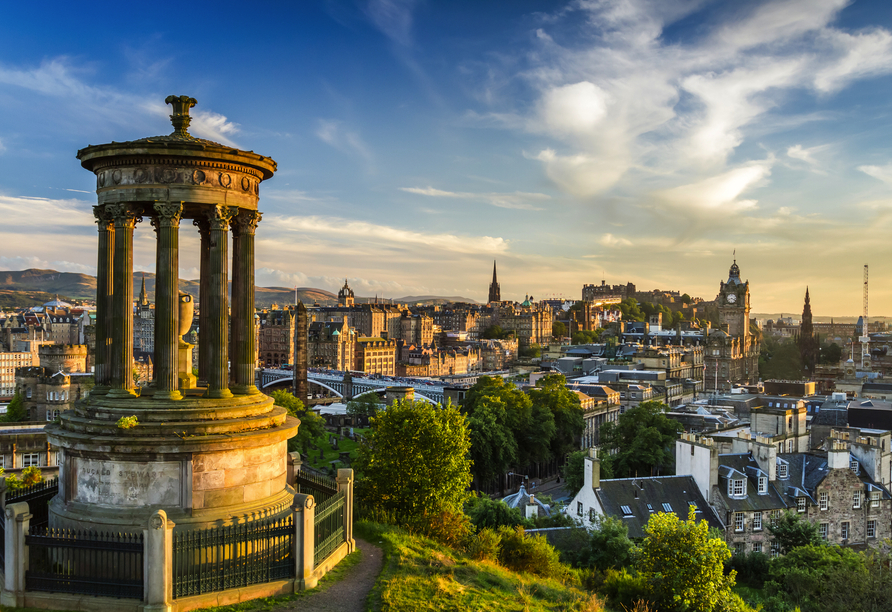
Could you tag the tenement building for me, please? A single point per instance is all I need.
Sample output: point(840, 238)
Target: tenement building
point(732, 351)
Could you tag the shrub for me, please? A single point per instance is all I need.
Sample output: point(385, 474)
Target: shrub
point(752, 569)
point(485, 545)
point(624, 589)
point(492, 513)
point(128, 422)
point(450, 528)
point(530, 554)
point(30, 477)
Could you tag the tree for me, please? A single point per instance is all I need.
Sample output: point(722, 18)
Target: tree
point(608, 546)
point(574, 471)
point(682, 565)
point(495, 332)
point(366, 405)
point(780, 360)
point(415, 461)
point(16, 410)
point(493, 445)
point(630, 310)
point(790, 531)
point(30, 477)
point(533, 350)
point(311, 427)
point(644, 441)
point(587, 337)
point(686, 299)
point(822, 578)
point(552, 394)
point(493, 513)
point(831, 354)
point(558, 329)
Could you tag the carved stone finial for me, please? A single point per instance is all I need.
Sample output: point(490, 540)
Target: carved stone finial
point(180, 117)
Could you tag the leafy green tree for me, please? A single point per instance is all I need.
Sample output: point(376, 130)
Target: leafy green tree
point(312, 425)
point(780, 360)
point(608, 545)
point(630, 310)
point(643, 439)
point(686, 299)
point(790, 531)
point(30, 477)
point(495, 332)
point(551, 393)
point(587, 337)
point(16, 410)
point(558, 329)
point(533, 350)
point(415, 461)
point(822, 578)
point(366, 405)
point(493, 445)
point(574, 471)
point(831, 354)
point(493, 513)
point(682, 566)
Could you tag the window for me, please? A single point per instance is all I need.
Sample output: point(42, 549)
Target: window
point(650, 508)
point(789, 446)
point(874, 499)
point(871, 529)
point(591, 515)
point(775, 514)
point(853, 465)
point(844, 530)
point(775, 549)
point(782, 470)
point(738, 521)
point(579, 508)
point(823, 530)
point(667, 507)
point(757, 521)
point(824, 500)
point(737, 486)
point(856, 499)
point(626, 510)
point(694, 505)
point(763, 485)
point(800, 504)
point(757, 547)
point(30, 459)
point(28, 393)
point(2, 461)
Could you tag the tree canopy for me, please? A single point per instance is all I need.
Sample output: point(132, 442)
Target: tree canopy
point(587, 337)
point(558, 329)
point(682, 565)
point(790, 531)
point(415, 461)
point(311, 424)
point(552, 394)
point(779, 359)
point(16, 410)
point(367, 405)
point(644, 440)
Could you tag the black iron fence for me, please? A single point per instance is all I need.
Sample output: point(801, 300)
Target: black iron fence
point(320, 487)
point(328, 527)
point(209, 560)
point(85, 563)
point(38, 497)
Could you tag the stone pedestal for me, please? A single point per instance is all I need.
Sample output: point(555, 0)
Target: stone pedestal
point(184, 366)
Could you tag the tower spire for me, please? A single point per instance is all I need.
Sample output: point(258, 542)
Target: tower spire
point(143, 298)
point(495, 294)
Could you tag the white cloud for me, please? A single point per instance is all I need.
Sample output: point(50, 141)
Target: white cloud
point(574, 110)
point(719, 193)
point(371, 233)
point(806, 155)
point(583, 174)
point(883, 173)
point(518, 200)
point(609, 240)
point(861, 55)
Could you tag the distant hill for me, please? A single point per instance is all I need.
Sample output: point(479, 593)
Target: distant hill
point(432, 299)
point(69, 284)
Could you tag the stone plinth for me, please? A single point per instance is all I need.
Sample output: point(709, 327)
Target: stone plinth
point(204, 462)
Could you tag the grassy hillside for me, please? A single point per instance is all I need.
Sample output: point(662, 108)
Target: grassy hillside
point(420, 574)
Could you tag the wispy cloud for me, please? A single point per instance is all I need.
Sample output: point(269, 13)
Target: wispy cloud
point(609, 240)
point(336, 134)
point(393, 18)
point(883, 173)
point(516, 200)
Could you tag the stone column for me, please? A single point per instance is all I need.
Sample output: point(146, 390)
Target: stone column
point(301, 386)
point(243, 338)
point(304, 545)
point(18, 520)
point(203, 298)
point(345, 484)
point(217, 357)
point(104, 294)
point(167, 298)
point(158, 565)
point(121, 385)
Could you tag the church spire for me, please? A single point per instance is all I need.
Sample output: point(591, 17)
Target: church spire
point(143, 298)
point(495, 294)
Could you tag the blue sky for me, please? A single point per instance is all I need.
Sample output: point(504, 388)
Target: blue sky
point(628, 140)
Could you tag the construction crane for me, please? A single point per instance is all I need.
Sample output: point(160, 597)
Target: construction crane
point(865, 338)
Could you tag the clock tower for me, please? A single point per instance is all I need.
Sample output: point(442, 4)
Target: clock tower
point(734, 303)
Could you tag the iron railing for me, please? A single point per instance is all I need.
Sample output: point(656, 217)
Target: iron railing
point(221, 558)
point(38, 497)
point(328, 527)
point(321, 488)
point(85, 563)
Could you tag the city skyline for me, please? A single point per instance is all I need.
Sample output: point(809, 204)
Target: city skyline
point(571, 141)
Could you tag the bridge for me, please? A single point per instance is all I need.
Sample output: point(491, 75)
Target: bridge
point(432, 393)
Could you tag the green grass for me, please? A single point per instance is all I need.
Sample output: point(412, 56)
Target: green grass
point(420, 574)
point(330, 454)
point(273, 603)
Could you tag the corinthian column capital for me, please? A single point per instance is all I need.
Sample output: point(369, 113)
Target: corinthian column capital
point(125, 215)
point(220, 217)
point(103, 216)
point(167, 214)
point(246, 222)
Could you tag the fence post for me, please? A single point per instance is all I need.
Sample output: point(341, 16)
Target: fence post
point(3, 491)
point(304, 541)
point(294, 463)
point(18, 520)
point(158, 563)
point(345, 484)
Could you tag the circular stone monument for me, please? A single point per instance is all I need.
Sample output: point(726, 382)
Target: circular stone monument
point(207, 452)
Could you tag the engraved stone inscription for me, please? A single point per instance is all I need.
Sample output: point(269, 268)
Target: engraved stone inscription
point(127, 483)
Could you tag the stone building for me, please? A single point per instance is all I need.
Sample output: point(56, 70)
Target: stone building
point(331, 345)
point(376, 356)
point(753, 485)
point(594, 293)
point(276, 337)
point(52, 387)
point(495, 291)
point(416, 329)
point(9, 363)
point(345, 295)
point(144, 323)
point(25, 445)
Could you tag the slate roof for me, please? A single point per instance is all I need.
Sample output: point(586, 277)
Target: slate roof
point(743, 463)
point(807, 470)
point(832, 416)
point(636, 493)
point(521, 500)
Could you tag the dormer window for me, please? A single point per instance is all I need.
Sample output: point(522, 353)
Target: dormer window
point(737, 487)
point(781, 470)
point(800, 504)
point(763, 485)
point(853, 465)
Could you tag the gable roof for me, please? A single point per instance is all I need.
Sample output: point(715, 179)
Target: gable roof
point(634, 494)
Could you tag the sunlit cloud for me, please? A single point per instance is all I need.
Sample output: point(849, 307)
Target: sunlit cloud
point(517, 200)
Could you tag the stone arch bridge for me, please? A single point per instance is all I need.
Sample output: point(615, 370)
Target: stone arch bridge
point(361, 385)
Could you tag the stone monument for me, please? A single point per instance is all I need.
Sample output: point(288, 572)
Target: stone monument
point(210, 453)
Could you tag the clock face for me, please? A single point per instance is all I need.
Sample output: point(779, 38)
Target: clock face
point(732, 297)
